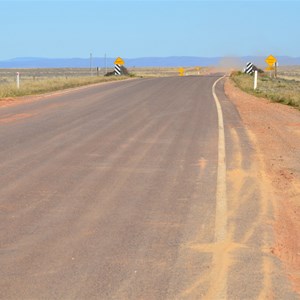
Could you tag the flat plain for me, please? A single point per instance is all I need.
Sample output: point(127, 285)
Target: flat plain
point(43, 80)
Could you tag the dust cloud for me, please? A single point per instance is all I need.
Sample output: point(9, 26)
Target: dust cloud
point(229, 64)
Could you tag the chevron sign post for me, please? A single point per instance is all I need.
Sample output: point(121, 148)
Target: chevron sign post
point(118, 63)
point(117, 69)
point(249, 68)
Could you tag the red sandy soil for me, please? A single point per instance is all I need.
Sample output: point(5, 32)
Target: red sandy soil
point(276, 129)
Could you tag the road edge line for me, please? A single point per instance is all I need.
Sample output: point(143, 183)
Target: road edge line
point(221, 197)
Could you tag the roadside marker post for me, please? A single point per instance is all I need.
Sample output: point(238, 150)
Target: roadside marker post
point(255, 79)
point(18, 80)
point(276, 66)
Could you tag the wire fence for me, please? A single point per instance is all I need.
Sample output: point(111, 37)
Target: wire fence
point(9, 75)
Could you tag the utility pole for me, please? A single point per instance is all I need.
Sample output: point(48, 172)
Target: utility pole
point(91, 57)
point(105, 63)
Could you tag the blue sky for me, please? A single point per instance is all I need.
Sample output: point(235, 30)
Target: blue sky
point(63, 29)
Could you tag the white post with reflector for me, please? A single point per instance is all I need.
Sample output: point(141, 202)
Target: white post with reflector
point(18, 80)
point(255, 79)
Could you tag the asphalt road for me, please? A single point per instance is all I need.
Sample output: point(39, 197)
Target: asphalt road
point(110, 192)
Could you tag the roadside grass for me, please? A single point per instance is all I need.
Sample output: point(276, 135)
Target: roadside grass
point(277, 90)
point(45, 85)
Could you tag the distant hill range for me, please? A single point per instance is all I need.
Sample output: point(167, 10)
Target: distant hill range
point(175, 61)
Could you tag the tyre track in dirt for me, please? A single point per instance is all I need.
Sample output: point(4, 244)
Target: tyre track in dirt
point(274, 132)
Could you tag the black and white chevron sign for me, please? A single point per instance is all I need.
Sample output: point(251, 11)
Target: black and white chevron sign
point(117, 69)
point(249, 68)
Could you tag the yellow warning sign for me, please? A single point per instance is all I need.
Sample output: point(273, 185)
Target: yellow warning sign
point(119, 61)
point(271, 60)
point(270, 68)
point(181, 71)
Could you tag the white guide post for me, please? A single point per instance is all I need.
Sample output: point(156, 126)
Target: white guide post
point(255, 79)
point(18, 80)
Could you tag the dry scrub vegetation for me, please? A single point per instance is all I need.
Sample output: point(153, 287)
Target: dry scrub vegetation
point(280, 90)
point(38, 81)
point(290, 72)
point(50, 85)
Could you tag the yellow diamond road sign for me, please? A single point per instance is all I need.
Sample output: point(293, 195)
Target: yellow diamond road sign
point(271, 60)
point(181, 71)
point(119, 61)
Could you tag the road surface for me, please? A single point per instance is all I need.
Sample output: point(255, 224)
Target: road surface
point(125, 191)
